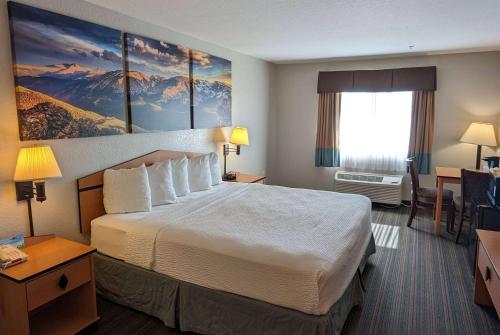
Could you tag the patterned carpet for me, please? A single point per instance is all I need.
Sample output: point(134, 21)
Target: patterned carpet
point(417, 283)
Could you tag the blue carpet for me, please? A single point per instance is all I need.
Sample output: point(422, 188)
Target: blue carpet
point(418, 283)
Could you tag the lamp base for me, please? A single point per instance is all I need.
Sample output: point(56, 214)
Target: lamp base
point(230, 176)
point(24, 192)
point(226, 149)
point(478, 157)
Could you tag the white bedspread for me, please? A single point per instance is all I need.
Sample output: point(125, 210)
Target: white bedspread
point(291, 247)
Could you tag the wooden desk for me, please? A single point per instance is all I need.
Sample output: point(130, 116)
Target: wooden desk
point(444, 175)
point(487, 277)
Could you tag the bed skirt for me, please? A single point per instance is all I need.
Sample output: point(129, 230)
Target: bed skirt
point(190, 307)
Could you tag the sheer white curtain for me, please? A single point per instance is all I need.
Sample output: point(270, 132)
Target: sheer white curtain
point(375, 130)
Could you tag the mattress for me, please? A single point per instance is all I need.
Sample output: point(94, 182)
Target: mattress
point(294, 248)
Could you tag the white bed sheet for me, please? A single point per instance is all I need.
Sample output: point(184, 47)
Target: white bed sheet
point(290, 247)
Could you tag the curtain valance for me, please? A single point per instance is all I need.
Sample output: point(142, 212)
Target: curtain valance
point(387, 80)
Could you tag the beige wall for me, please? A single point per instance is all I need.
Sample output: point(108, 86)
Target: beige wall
point(252, 80)
point(468, 90)
point(278, 103)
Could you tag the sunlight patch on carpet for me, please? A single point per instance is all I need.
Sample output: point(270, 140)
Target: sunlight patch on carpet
point(386, 236)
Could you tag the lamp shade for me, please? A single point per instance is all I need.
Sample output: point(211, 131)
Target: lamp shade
point(36, 163)
point(239, 136)
point(481, 134)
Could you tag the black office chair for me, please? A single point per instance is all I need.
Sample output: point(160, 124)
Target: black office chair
point(474, 185)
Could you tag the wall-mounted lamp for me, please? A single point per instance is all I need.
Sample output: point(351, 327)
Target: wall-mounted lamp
point(480, 134)
point(34, 165)
point(238, 137)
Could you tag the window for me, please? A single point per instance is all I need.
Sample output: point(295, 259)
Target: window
point(375, 130)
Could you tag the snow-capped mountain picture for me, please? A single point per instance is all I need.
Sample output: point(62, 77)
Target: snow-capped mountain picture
point(211, 90)
point(158, 81)
point(68, 75)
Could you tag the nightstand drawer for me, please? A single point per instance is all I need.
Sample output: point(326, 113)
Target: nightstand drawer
point(489, 275)
point(56, 283)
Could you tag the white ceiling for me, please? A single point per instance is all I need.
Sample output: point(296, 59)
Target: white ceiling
point(298, 30)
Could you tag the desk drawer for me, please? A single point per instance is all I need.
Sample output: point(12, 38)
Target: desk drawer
point(489, 275)
point(49, 286)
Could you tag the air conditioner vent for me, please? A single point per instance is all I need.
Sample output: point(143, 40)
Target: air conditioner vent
point(386, 189)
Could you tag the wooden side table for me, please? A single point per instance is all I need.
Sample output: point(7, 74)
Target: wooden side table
point(249, 178)
point(487, 277)
point(53, 292)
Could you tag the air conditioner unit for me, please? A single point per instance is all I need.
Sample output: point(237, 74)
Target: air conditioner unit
point(385, 189)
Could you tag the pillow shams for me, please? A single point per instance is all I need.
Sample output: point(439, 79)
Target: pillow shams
point(199, 173)
point(161, 183)
point(215, 171)
point(180, 176)
point(126, 191)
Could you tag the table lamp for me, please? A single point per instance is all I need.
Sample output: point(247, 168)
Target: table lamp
point(480, 134)
point(34, 165)
point(238, 137)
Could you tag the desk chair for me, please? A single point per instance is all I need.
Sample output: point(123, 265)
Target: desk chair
point(425, 197)
point(474, 185)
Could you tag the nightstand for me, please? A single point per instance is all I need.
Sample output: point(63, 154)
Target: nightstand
point(487, 272)
point(249, 178)
point(53, 292)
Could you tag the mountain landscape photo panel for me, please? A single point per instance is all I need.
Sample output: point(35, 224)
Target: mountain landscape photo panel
point(158, 83)
point(68, 75)
point(212, 85)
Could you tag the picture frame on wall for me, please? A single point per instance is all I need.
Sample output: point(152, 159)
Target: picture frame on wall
point(77, 79)
point(158, 84)
point(68, 75)
point(212, 90)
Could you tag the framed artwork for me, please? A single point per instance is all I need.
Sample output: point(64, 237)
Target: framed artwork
point(68, 76)
point(211, 90)
point(158, 84)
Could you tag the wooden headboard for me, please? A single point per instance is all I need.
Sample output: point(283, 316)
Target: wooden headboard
point(90, 198)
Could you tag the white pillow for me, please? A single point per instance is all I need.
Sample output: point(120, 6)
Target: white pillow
point(126, 191)
point(199, 173)
point(215, 171)
point(161, 184)
point(180, 176)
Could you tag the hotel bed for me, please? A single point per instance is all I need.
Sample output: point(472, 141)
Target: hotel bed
point(239, 258)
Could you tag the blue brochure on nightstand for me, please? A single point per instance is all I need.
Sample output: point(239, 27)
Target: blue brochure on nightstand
point(17, 241)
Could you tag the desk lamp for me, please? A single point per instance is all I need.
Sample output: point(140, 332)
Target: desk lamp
point(480, 134)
